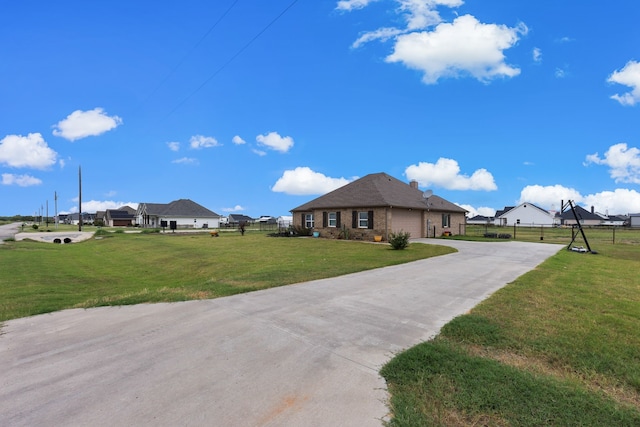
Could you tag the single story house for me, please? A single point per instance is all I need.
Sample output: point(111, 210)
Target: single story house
point(525, 214)
point(480, 220)
point(235, 220)
point(584, 216)
point(121, 217)
point(183, 213)
point(378, 205)
point(74, 218)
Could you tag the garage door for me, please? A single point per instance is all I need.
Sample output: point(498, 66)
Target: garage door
point(407, 220)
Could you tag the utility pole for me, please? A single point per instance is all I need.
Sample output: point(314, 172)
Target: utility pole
point(79, 198)
point(55, 198)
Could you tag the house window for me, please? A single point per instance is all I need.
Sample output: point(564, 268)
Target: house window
point(308, 220)
point(363, 219)
point(333, 219)
point(518, 221)
point(446, 220)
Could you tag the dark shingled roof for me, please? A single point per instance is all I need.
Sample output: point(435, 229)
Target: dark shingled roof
point(378, 190)
point(182, 207)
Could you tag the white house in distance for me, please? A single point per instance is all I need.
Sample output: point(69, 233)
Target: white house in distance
point(183, 213)
point(525, 214)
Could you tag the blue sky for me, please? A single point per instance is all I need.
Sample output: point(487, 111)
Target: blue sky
point(256, 107)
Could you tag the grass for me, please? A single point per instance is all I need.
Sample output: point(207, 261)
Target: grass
point(601, 235)
point(122, 268)
point(559, 346)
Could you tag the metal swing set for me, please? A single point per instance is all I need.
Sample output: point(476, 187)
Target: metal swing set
point(574, 234)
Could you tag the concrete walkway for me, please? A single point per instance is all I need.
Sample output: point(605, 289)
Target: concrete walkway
point(300, 355)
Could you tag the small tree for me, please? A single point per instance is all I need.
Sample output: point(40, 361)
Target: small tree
point(399, 240)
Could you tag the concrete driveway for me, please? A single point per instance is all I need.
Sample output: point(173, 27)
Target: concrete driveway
point(301, 355)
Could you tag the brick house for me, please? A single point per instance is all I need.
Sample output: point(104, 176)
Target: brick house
point(376, 205)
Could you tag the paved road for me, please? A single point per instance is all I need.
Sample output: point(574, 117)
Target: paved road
point(9, 230)
point(301, 355)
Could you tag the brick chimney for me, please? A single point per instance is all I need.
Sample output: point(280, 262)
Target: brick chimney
point(414, 184)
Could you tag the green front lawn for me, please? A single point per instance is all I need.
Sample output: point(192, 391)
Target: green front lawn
point(121, 268)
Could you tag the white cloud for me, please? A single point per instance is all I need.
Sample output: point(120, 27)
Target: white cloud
point(352, 4)
point(185, 161)
point(537, 54)
point(173, 146)
point(236, 208)
point(92, 206)
point(472, 211)
point(259, 152)
point(200, 141)
point(421, 14)
point(238, 141)
point(463, 47)
point(620, 201)
point(29, 151)
point(624, 163)
point(81, 124)
point(20, 180)
point(382, 34)
point(628, 76)
point(560, 73)
point(304, 181)
point(274, 141)
point(548, 197)
point(445, 173)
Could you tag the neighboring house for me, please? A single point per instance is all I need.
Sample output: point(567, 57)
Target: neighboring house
point(634, 220)
point(377, 205)
point(480, 220)
point(99, 219)
point(121, 217)
point(525, 214)
point(265, 219)
point(184, 213)
point(584, 216)
point(285, 221)
point(616, 220)
point(237, 219)
point(87, 218)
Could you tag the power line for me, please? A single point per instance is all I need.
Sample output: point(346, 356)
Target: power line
point(230, 60)
point(194, 47)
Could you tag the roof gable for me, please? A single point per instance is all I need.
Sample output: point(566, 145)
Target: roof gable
point(522, 206)
point(378, 190)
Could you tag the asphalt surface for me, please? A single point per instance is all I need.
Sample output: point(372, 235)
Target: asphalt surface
point(300, 355)
point(8, 231)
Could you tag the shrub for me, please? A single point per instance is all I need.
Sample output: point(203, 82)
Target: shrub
point(399, 240)
point(34, 226)
point(302, 231)
point(147, 230)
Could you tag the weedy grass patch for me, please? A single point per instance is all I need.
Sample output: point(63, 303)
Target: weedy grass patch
point(558, 346)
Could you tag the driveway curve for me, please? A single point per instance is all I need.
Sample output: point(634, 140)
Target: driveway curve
point(301, 355)
point(8, 231)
